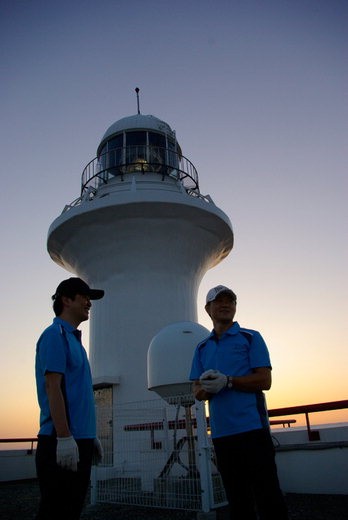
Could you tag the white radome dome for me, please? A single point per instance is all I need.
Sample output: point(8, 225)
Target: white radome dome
point(169, 358)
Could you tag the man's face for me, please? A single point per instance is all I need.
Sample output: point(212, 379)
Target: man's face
point(222, 309)
point(79, 307)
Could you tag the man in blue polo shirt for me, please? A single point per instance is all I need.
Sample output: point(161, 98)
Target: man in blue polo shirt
point(230, 369)
point(67, 439)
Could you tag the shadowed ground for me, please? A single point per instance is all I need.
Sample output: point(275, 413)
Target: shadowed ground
point(19, 500)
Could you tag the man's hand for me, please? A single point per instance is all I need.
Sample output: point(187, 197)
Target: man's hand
point(98, 452)
point(212, 381)
point(67, 453)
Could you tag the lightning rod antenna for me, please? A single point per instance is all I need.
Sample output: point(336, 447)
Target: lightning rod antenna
point(137, 91)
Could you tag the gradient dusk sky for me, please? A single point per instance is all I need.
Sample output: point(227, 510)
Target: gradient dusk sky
point(257, 93)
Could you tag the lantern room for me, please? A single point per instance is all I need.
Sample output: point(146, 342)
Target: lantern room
point(139, 144)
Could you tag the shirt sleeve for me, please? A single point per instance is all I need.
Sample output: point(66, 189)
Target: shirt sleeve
point(52, 352)
point(259, 355)
point(196, 367)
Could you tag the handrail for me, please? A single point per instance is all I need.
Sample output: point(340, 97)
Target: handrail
point(21, 439)
point(32, 440)
point(274, 412)
point(142, 158)
point(181, 424)
point(307, 409)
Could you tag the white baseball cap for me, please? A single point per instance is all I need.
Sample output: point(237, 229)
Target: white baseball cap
point(212, 294)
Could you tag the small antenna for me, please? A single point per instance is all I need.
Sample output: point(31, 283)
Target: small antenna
point(137, 91)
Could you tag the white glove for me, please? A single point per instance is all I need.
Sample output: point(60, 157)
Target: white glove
point(98, 452)
point(67, 453)
point(207, 374)
point(212, 381)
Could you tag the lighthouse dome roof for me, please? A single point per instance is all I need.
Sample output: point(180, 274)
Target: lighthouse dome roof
point(137, 122)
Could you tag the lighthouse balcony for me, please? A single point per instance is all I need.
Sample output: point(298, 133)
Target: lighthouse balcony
point(121, 162)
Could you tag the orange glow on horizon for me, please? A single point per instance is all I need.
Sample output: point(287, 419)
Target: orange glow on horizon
point(23, 421)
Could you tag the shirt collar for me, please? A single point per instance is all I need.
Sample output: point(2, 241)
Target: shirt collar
point(67, 326)
point(232, 331)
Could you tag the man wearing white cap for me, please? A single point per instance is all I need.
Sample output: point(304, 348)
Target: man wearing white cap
point(231, 369)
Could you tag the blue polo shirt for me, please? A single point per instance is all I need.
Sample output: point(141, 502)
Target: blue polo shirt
point(237, 352)
point(60, 350)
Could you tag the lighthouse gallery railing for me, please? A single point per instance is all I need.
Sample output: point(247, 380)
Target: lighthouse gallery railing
point(120, 162)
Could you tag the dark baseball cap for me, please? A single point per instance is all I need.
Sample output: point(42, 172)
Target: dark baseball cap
point(74, 286)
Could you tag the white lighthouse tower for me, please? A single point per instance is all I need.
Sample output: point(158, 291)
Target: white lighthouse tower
point(142, 231)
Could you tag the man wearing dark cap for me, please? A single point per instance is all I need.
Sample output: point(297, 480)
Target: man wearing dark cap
point(231, 369)
point(67, 440)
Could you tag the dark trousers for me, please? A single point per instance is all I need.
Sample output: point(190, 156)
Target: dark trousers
point(247, 466)
point(63, 492)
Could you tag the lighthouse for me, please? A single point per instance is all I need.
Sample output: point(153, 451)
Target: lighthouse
point(141, 230)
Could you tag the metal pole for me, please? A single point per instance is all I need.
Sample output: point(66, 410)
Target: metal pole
point(204, 457)
point(137, 91)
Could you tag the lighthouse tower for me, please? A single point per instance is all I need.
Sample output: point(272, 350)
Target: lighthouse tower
point(142, 231)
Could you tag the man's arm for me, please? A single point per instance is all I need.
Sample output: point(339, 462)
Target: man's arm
point(67, 455)
point(57, 405)
point(260, 379)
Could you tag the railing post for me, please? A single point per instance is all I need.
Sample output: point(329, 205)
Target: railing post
point(204, 451)
point(312, 435)
point(308, 426)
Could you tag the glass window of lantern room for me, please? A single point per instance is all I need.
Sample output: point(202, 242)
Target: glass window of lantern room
point(103, 150)
point(115, 142)
point(173, 159)
point(136, 147)
point(102, 160)
point(114, 156)
point(135, 138)
point(157, 151)
point(157, 140)
point(171, 145)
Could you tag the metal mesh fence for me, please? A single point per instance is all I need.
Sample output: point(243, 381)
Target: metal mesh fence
point(157, 454)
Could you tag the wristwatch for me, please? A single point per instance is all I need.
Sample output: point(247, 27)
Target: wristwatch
point(229, 382)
